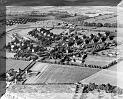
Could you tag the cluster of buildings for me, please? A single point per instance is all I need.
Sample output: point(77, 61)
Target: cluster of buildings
point(68, 46)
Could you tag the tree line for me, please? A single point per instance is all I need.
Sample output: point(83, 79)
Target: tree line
point(93, 24)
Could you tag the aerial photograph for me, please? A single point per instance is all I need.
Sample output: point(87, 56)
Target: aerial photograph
point(61, 52)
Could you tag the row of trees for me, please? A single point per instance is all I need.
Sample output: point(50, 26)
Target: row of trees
point(108, 88)
point(93, 24)
point(19, 21)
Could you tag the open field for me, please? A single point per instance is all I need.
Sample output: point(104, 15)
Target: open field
point(49, 88)
point(2, 88)
point(37, 95)
point(98, 29)
point(99, 60)
point(53, 73)
point(112, 18)
point(118, 67)
point(102, 77)
point(16, 64)
point(111, 75)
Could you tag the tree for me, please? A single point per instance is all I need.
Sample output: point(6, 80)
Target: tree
point(114, 42)
point(84, 36)
point(92, 24)
point(114, 25)
point(86, 24)
point(103, 39)
point(111, 37)
point(92, 36)
point(99, 34)
point(65, 38)
point(95, 39)
point(32, 33)
point(107, 25)
point(99, 25)
point(87, 41)
point(107, 33)
point(79, 41)
point(71, 42)
point(76, 37)
point(75, 14)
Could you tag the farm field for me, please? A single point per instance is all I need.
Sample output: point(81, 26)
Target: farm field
point(103, 19)
point(16, 64)
point(118, 67)
point(53, 73)
point(113, 68)
point(37, 95)
point(105, 29)
point(97, 29)
point(2, 88)
point(93, 29)
point(57, 31)
point(103, 76)
point(99, 60)
point(47, 22)
point(43, 89)
point(111, 75)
